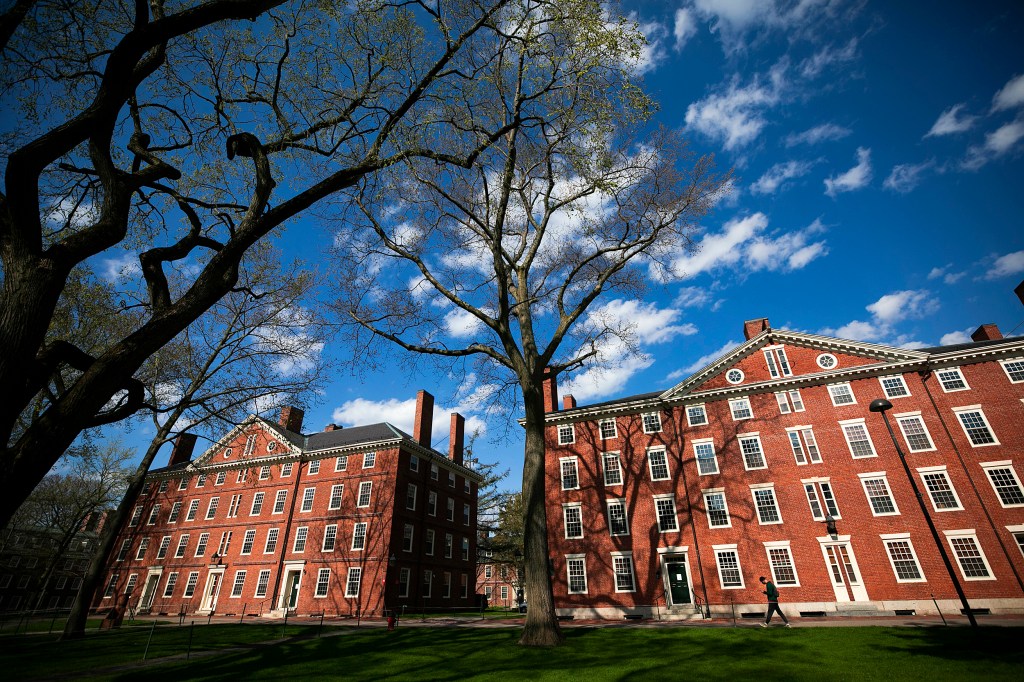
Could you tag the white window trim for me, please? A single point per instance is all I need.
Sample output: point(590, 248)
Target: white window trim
point(832, 396)
point(625, 515)
point(604, 467)
point(799, 430)
point(600, 428)
point(778, 544)
point(568, 581)
point(1003, 363)
point(561, 474)
point(736, 401)
point(650, 464)
point(565, 525)
point(1002, 464)
point(675, 508)
point(704, 411)
point(960, 372)
point(902, 537)
point(867, 497)
point(739, 379)
point(725, 503)
point(817, 481)
point(920, 418)
point(643, 421)
point(881, 383)
point(756, 435)
point(734, 548)
point(753, 497)
point(969, 533)
point(572, 434)
point(696, 460)
point(632, 567)
point(850, 422)
point(976, 408)
point(936, 469)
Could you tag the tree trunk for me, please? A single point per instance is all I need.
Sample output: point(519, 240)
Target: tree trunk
point(541, 627)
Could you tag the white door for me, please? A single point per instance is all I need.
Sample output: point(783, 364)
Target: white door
point(212, 591)
point(289, 598)
point(842, 568)
point(149, 592)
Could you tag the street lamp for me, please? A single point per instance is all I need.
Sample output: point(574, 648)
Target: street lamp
point(830, 527)
point(882, 405)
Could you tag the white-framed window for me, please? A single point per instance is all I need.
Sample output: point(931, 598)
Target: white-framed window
point(778, 364)
point(341, 463)
point(137, 514)
point(730, 575)
point(951, 379)
point(607, 429)
point(820, 498)
point(247, 541)
point(359, 536)
point(707, 460)
point(201, 480)
point(903, 558)
point(250, 445)
point(428, 541)
point(717, 508)
point(451, 479)
point(175, 511)
point(233, 505)
point(109, 592)
point(622, 565)
point(805, 446)
point(612, 468)
point(464, 585)
point(369, 460)
point(307, 499)
point(154, 514)
point(355, 574)
point(143, 546)
point(576, 573)
point(301, 533)
point(190, 585)
point(657, 463)
point(270, 546)
point(446, 585)
point(488, 571)
point(572, 514)
point(407, 537)
point(940, 488)
point(1005, 482)
point(242, 476)
point(336, 493)
point(696, 415)
point(257, 504)
point(431, 503)
point(264, 473)
point(915, 433)
point(449, 545)
point(330, 537)
point(841, 394)
point(740, 408)
point(857, 438)
point(365, 489)
point(465, 548)
point(279, 501)
point(414, 463)
point(652, 422)
point(780, 558)
point(969, 555)
point(313, 467)
point(179, 552)
point(570, 473)
point(193, 509)
point(566, 434)
point(789, 401)
point(974, 424)
point(618, 519)
point(239, 584)
point(1014, 369)
point(404, 575)
point(753, 453)
point(172, 580)
point(894, 387)
point(880, 499)
point(183, 484)
point(204, 539)
point(286, 469)
point(665, 510)
point(434, 472)
point(211, 508)
point(827, 361)
point(765, 503)
point(734, 376)
point(165, 544)
point(221, 477)
point(262, 583)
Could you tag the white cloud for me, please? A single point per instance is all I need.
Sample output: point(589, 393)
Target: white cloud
point(647, 322)
point(821, 60)
point(703, 361)
point(824, 133)
point(855, 178)
point(735, 116)
point(722, 248)
point(71, 213)
point(402, 415)
point(905, 177)
point(1011, 95)
point(115, 269)
point(955, 337)
point(856, 330)
point(947, 276)
point(775, 176)
point(692, 297)
point(901, 305)
point(950, 121)
point(1010, 264)
point(654, 52)
point(997, 143)
point(684, 27)
point(733, 20)
point(461, 324)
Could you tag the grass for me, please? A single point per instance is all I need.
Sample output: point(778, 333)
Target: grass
point(591, 654)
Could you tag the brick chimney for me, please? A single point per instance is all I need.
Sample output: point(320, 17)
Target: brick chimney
point(331, 427)
point(424, 423)
point(184, 444)
point(291, 419)
point(752, 328)
point(987, 332)
point(456, 438)
point(550, 391)
point(568, 403)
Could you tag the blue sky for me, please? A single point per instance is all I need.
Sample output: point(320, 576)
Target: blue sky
point(879, 190)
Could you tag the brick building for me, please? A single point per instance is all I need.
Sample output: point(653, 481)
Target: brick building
point(672, 503)
point(345, 522)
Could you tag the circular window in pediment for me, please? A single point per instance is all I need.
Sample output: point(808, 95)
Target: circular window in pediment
point(271, 446)
point(827, 361)
point(227, 453)
point(734, 376)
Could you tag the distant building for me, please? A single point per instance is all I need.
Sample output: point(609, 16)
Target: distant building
point(673, 503)
point(500, 583)
point(345, 522)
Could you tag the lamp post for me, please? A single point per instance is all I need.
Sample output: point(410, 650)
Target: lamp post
point(881, 405)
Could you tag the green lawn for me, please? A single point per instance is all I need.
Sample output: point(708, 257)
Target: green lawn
point(589, 654)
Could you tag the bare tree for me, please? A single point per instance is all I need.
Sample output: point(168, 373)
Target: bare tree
point(180, 135)
point(503, 263)
point(258, 348)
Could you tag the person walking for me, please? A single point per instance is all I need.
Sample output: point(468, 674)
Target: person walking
point(772, 593)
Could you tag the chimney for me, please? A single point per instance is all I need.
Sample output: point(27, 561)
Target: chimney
point(987, 332)
point(550, 391)
point(184, 444)
point(568, 403)
point(331, 427)
point(752, 328)
point(456, 437)
point(424, 423)
point(291, 419)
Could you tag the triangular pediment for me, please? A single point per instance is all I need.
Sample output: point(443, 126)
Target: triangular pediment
point(235, 447)
point(779, 356)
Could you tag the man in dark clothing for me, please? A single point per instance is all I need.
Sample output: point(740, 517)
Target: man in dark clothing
point(772, 593)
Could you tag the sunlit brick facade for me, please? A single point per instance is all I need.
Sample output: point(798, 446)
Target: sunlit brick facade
point(671, 504)
point(344, 522)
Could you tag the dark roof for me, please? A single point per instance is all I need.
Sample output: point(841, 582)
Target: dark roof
point(323, 440)
point(627, 399)
point(972, 344)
